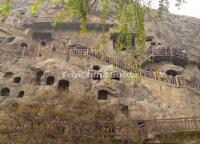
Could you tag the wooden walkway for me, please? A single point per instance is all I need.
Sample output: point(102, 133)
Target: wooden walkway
point(174, 81)
point(171, 54)
point(159, 126)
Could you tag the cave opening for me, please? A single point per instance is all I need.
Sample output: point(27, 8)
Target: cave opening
point(124, 109)
point(50, 80)
point(63, 85)
point(8, 75)
point(10, 39)
point(153, 43)
point(43, 43)
point(171, 72)
point(96, 67)
point(38, 77)
point(17, 80)
point(24, 45)
point(102, 95)
point(21, 94)
point(5, 92)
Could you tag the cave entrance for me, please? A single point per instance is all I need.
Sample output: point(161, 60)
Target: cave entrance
point(8, 75)
point(43, 43)
point(5, 92)
point(153, 43)
point(24, 45)
point(38, 77)
point(50, 80)
point(63, 85)
point(17, 80)
point(96, 67)
point(171, 72)
point(102, 95)
point(124, 109)
point(10, 39)
point(21, 94)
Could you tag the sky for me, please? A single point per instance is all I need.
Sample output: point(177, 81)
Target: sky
point(190, 8)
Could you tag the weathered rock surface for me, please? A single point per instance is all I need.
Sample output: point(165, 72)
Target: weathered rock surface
point(43, 64)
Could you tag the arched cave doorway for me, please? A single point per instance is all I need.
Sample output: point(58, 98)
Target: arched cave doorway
point(63, 85)
point(5, 92)
point(10, 39)
point(102, 95)
point(124, 109)
point(38, 77)
point(43, 43)
point(24, 45)
point(50, 80)
point(17, 80)
point(96, 67)
point(171, 72)
point(153, 43)
point(21, 94)
point(8, 75)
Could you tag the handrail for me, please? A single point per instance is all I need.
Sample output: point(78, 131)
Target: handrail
point(141, 127)
point(172, 52)
point(175, 81)
point(172, 125)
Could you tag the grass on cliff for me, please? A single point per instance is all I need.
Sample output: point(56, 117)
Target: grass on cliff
point(55, 118)
point(181, 138)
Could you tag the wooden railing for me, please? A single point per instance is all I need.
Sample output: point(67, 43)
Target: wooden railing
point(175, 81)
point(172, 52)
point(171, 125)
point(113, 130)
point(119, 63)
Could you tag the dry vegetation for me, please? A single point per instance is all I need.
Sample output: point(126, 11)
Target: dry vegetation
point(57, 118)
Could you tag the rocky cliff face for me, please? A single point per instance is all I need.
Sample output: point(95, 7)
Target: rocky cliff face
point(35, 60)
point(175, 30)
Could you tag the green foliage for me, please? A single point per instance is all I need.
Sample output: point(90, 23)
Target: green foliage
point(36, 6)
point(5, 8)
point(105, 10)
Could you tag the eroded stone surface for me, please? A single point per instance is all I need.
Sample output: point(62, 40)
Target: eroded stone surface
point(44, 65)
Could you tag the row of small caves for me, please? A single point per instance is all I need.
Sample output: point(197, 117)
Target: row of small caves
point(45, 37)
point(63, 84)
